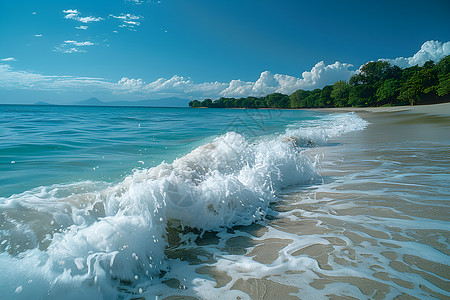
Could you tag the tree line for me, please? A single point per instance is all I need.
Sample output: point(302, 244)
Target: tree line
point(377, 84)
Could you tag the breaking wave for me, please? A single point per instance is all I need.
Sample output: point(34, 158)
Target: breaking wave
point(81, 239)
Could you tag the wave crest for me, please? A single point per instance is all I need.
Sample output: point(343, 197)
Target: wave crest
point(92, 232)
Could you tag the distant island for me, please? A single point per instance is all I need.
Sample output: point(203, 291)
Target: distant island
point(42, 103)
point(165, 102)
point(377, 84)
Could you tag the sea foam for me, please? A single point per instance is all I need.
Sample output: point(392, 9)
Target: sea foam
point(84, 239)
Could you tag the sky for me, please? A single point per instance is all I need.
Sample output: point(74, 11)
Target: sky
point(65, 51)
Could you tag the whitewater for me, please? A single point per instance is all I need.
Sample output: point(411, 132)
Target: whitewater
point(185, 225)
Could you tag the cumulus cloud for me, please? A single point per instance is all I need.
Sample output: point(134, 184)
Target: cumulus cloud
point(82, 27)
point(128, 20)
point(8, 59)
point(320, 75)
point(74, 14)
point(177, 85)
point(130, 84)
point(430, 50)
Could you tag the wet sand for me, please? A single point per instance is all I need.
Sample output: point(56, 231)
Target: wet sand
point(375, 227)
point(442, 109)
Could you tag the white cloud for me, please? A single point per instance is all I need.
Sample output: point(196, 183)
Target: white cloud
point(130, 84)
point(88, 19)
point(11, 79)
point(137, 2)
point(70, 50)
point(74, 14)
point(126, 17)
point(82, 27)
point(176, 85)
point(71, 11)
point(319, 76)
point(128, 20)
point(70, 46)
point(79, 44)
point(236, 88)
point(430, 50)
point(38, 35)
point(8, 59)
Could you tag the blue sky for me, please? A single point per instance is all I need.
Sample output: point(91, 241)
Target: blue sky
point(64, 51)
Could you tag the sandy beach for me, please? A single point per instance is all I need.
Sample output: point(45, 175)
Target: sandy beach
point(287, 204)
point(433, 109)
point(376, 227)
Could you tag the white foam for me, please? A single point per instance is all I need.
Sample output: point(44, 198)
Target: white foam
point(94, 235)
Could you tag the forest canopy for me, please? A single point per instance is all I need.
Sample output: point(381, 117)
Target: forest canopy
point(377, 84)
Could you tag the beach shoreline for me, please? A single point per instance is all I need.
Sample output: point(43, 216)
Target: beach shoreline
point(431, 109)
point(369, 200)
point(380, 205)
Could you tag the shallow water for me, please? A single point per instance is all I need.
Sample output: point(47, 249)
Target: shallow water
point(292, 205)
point(44, 145)
point(378, 227)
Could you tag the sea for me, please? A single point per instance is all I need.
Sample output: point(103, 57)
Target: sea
point(182, 203)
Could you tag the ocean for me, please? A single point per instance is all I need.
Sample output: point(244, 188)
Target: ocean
point(180, 203)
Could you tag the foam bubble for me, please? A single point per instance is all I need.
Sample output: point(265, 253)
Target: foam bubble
point(98, 235)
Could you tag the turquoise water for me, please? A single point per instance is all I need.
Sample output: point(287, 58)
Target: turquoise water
point(123, 203)
point(119, 203)
point(92, 198)
point(44, 145)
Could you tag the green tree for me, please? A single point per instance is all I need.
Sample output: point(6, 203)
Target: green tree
point(340, 93)
point(249, 102)
point(443, 67)
point(360, 95)
point(377, 83)
point(325, 99)
point(194, 103)
point(443, 88)
point(428, 64)
point(408, 73)
point(430, 79)
point(277, 100)
point(206, 103)
point(230, 102)
point(313, 98)
point(388, 92)
point(297, 98)
point(374, 72)
point(412, 90)
point(260, 103)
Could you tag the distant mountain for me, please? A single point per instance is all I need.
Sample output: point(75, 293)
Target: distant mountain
point(42, 103)
point(166, 102)
point(90, 102)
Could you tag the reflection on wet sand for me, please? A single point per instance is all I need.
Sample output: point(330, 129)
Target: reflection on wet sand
point(377, 227)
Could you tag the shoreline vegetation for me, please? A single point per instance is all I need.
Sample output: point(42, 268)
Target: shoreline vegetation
point(377, 84)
